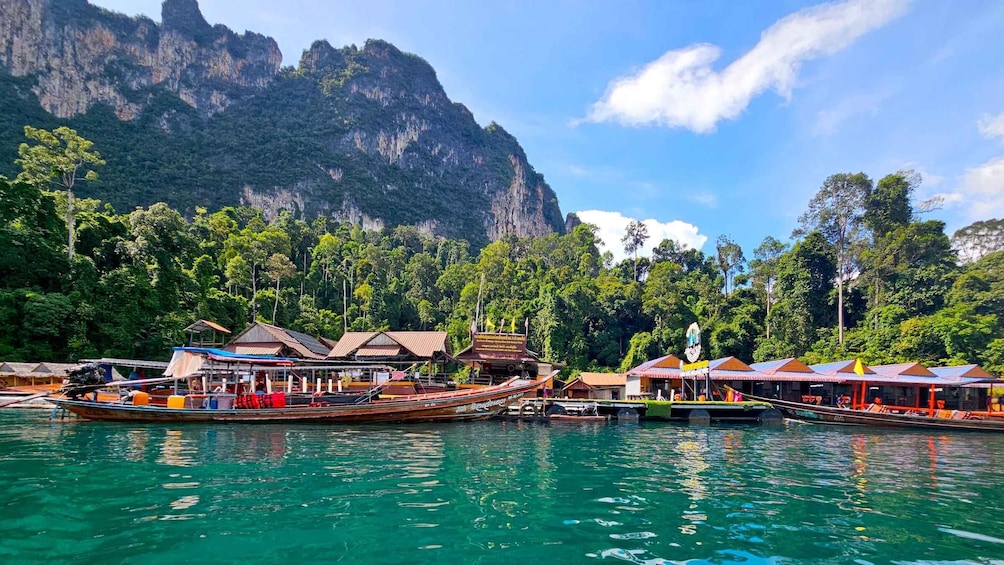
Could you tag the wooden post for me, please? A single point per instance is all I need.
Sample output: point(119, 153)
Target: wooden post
point(930, 403)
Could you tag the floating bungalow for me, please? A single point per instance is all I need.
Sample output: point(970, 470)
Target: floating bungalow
point(909, 386)
point(596, 386)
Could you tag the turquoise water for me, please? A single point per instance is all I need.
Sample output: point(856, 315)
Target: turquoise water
point(493, 492)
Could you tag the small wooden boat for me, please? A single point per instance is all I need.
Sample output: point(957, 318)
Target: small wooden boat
point(878, 416)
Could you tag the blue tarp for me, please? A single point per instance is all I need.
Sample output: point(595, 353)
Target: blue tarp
point(237, 357)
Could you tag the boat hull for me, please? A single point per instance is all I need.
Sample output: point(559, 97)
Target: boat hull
point(465, 405)
point(847, 417)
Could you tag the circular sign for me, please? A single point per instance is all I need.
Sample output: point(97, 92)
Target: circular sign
point(693, 350)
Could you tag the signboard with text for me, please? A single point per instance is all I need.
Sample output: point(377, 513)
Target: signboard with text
point(499, 346)
point(698, 369)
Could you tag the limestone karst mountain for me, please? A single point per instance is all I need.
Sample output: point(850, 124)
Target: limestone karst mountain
point(194, 114)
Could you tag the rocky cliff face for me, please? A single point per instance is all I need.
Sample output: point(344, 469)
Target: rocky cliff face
point(194, 114)
point(81, 55)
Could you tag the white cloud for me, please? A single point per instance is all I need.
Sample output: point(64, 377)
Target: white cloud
point(981, 191)
point(828, 121)
point(681, 89)
point(613, 225)
point(992, 126)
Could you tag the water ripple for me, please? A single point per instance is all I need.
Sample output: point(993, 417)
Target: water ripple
point(494, 492)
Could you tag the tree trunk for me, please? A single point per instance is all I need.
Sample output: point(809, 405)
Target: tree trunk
point(254, 295)
point(840, 306)
point(69, 222)
point(767, 319)
point(275, 307)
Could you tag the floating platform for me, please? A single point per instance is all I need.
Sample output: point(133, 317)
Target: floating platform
point(697, 412)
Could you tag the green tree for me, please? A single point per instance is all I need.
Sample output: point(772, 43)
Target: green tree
point(634, 239)
point(279, 268)
point(59, 158)
point(836, 211)
point(730, 259)
point(764, 267)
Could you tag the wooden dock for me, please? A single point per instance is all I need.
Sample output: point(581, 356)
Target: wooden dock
point(696, 412)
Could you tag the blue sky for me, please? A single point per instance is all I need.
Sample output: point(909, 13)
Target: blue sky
point(702, 118)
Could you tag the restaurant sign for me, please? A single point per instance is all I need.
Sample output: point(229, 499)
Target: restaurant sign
point(693, 350)
point(499, 346)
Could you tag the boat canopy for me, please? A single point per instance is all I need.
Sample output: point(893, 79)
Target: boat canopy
point(187, 361)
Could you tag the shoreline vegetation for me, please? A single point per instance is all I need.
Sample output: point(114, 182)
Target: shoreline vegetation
point(862, 254)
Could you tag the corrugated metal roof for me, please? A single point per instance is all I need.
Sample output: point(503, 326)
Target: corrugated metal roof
point(659, 362)
point(778, 376)
point(379, 351)
point(603, 379)
point(960, 371)
point(902, 369)
point(256, 349)
point(729, 364)
point(303, 344)
point(203, 325)
point(419, 344)
point(349, 342)
point(840, 367)
point(310, 342)
point(790, 365)
point(422, 344)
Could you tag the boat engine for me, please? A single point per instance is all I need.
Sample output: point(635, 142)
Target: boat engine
point(81, 381)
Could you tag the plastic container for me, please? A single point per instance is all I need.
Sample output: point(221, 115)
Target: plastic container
point(225, 401)
point(176, 401)
point(141, 399)
point(195, 401)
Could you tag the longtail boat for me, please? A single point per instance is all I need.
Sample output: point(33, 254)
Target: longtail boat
point(466, 404)
point(879, 416)
point(193, 365)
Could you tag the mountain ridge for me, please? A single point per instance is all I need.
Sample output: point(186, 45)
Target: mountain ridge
point(197, 115)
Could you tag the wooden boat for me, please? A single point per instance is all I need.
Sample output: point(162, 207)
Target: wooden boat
point(879, 417)
point(467, 404)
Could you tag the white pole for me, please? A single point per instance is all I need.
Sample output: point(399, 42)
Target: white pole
point(317, 385)
point(329, 385)
point(224, 387)
point(339, 384)
point(304, 381)
point(205, 389)
point(268, 385)
point(289, 384)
